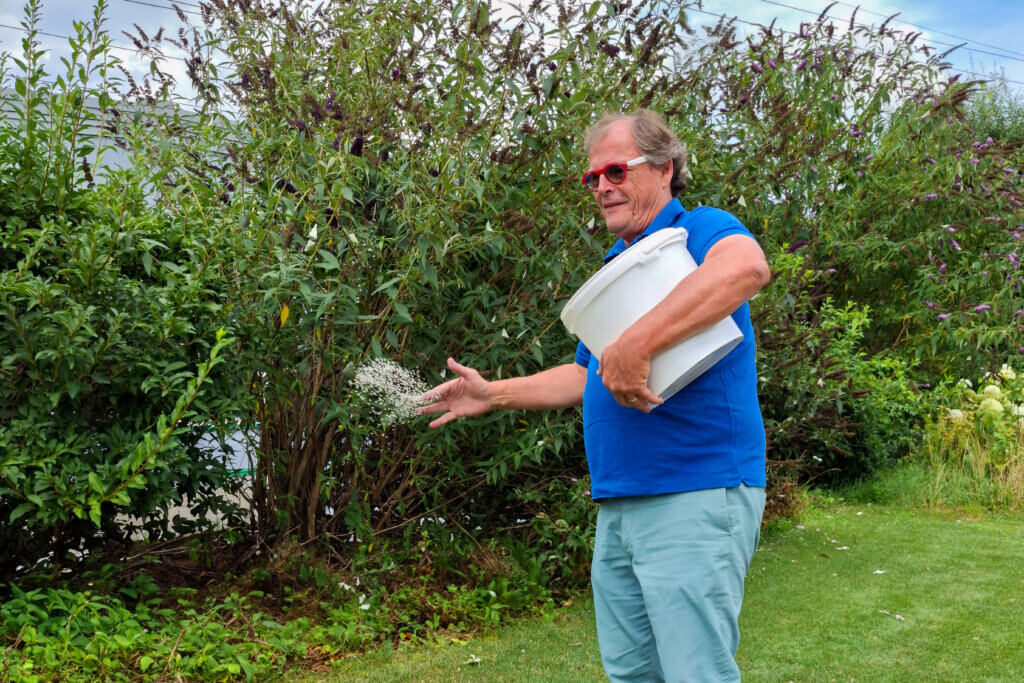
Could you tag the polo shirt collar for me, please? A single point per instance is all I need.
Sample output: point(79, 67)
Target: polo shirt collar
point(669, 216)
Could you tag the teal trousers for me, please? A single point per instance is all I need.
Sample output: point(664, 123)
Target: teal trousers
point(668, 575)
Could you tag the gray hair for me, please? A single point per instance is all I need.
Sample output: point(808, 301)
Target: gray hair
point(653, 138)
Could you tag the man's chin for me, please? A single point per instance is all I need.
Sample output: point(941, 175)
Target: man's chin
point(617, 229)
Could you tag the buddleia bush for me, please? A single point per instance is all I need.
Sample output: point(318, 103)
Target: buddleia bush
point(851, 147)
point(396, 180)
point(409, 185)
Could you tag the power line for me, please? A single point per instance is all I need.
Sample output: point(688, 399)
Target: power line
point(937, 42)
point(151, 4)
point(114, 46)
point(931, 30)
point(722, 15)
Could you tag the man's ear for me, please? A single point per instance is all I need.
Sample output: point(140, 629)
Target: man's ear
point(667, 166)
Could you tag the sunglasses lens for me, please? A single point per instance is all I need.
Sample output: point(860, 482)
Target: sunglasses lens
point(591, 180)
point(616, 173)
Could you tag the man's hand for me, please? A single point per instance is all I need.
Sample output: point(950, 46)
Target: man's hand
point(624, 371)
point(467, 395)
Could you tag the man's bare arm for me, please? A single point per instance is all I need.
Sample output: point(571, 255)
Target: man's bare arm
point(557, 387)
point(733, 270)
point(470, 394)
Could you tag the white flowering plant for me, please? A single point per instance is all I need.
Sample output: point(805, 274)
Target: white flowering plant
point(984, 421)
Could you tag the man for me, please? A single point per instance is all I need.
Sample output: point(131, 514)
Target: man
point(681, 482)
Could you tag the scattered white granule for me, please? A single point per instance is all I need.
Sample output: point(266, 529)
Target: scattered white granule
point(388, 390)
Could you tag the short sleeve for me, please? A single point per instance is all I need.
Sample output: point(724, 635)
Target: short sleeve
point(582, 355)
point(707, 226)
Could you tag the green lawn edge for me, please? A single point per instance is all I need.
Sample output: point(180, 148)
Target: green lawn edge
point(848, 592)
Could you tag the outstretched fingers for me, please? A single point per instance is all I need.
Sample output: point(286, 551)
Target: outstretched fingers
point(437, 394)
point(443, 420)
point(459, 369)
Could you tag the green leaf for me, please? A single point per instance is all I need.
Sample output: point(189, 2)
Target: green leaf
point(95, 483)
point(20, 511)
point(330, 261)
point(402, 311)
point(387, 284)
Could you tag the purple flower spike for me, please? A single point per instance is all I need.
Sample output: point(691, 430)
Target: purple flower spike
point(929, 304)
point(950, 228)
point(356, 149)
point(771, 63)
point(942, 316)
point(756, 68)
point(801, 66)
point(1019, 313)
point(869, 157)
point(981, 308)
point(1014, 260)
point(856, 133)
point(975, 161)
point(1016, 235)
point(796, 245)
point(587, 492)
point(954, 244)
point(860, 174)
point(831, 271)
point(988, 141)
point(814, 169)
point(930, 160)
point(835, 96)
point(1009, 170)
point(930, 196)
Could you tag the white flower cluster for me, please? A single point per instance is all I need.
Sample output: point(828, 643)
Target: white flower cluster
point(991, 398)
point(388, 390)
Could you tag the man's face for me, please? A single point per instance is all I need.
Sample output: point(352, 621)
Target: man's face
point(629, 207)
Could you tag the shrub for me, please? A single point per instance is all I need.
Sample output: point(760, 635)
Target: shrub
point(110, 329)
point(997, 112)
point(972, 451)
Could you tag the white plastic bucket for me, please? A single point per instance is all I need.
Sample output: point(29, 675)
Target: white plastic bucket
point(629, 286)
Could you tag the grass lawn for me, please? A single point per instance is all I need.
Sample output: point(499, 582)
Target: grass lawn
point(852, 592)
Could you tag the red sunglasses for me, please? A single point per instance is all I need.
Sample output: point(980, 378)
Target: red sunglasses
point(615, 172)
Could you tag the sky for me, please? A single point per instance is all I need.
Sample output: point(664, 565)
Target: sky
point(991, 26)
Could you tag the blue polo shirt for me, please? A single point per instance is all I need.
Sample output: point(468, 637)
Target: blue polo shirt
point(708, 435)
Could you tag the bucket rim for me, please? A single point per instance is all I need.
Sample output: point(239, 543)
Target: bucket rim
point(612, 270)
